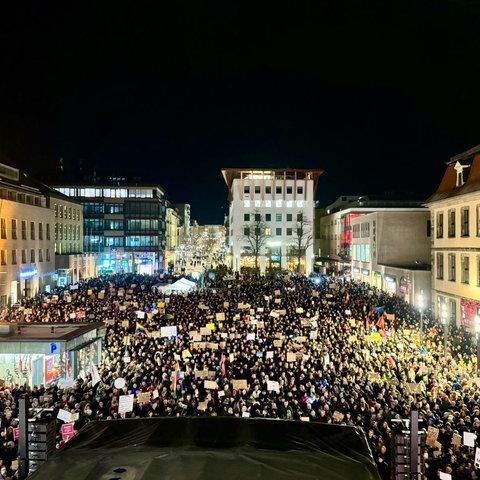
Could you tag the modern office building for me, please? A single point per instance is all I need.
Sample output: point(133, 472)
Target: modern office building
point(271, 218)
point(455, 216)
point(124, 223)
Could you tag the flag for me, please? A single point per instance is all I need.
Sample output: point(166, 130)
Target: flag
point(379, 309)
point(222, 364)
point(141, 329)
point(381, 323)
point(95, 375)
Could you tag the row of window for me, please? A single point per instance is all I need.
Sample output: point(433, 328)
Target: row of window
point(24, 230)
point(452, 267)
point(107, 192)
point(268, 189)
point(268, 231)
point(67, 232)
point(92, 242)
point(275, 203)
point(452, 222)
point(257, 217)
point(70, 213)
point(24, 254)
point(138, 208)
point(361, 230)
point(20, 197)
point(99, 224)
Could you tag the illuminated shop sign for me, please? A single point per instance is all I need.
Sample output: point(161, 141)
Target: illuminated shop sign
point(365, 271)
point(28, 272)
point(389, 278)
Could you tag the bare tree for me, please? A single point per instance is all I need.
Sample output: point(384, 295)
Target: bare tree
point(255, 236)
point(303, 239)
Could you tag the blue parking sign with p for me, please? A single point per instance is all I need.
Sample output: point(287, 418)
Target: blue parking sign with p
point(53, 347)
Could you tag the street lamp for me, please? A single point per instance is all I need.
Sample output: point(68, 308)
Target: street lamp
point(420, 304)
point(445, 326)
point(477, 330)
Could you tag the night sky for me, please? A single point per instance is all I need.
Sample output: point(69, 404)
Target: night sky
point(378, 94)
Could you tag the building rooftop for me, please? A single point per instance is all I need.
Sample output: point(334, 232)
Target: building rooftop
point(39, 332)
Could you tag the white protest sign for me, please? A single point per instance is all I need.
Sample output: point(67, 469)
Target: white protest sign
point(125, 403)
point(64, 415)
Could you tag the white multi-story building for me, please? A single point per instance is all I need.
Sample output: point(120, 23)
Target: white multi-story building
point(455, 216)
point(391, 251)
point(276, 206)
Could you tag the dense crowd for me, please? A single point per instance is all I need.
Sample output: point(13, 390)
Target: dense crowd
point(286, 347)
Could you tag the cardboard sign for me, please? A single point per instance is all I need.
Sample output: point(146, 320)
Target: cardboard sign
point(239, 384)
point(143, 397)
point(338, 416)
point(210, 385)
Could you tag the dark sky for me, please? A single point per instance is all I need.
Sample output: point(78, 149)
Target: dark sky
point(378, 94)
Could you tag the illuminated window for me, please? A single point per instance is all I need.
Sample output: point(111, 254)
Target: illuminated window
point(3, 228)
point(440, 266)
point(451, 223)
point(466, 269)
point(268, 203)
point(278, 203)
point(258, 203)
point(14, 229)
point(246, 204)
point(465, 221)
point(451, 267)
point(289, 203)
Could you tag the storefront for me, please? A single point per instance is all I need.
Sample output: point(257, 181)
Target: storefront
point(390, 284)
point(48, 353)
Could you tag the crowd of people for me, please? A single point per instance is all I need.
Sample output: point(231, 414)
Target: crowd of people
point(287, 347)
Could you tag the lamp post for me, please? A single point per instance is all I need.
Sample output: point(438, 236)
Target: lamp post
point(420, 304)
point(445, 327)
point(477, 330)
